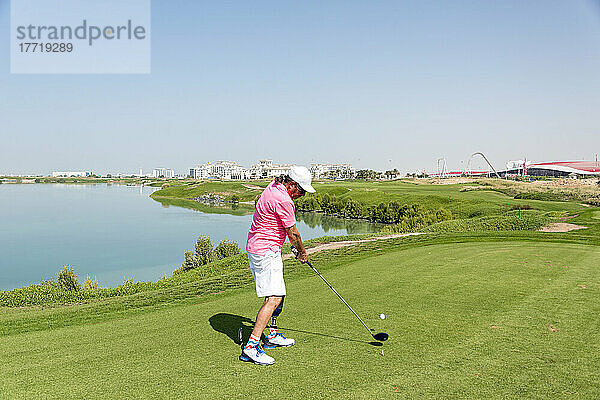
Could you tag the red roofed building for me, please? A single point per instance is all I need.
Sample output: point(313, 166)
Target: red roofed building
point(564, 168)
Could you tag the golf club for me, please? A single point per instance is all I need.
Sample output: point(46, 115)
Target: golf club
point(381, 336)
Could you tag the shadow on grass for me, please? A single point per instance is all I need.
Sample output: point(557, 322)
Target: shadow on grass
point(230, 324)
point(331, 336)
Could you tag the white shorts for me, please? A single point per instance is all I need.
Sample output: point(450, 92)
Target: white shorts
point(267, 271)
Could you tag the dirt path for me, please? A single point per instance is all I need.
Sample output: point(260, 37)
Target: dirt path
point(561, 227)
point(346, 243)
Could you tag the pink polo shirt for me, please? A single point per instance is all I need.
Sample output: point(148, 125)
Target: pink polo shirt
point(273, 214)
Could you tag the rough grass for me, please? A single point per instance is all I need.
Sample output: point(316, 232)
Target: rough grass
point(512, 221)
point(552, 190)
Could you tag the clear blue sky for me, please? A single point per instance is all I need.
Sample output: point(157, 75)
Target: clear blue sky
point(379, 84)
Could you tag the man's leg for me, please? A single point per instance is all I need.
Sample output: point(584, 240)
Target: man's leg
point(252, 351)
point(265, 312)
point(276, 313)
point(274, 338)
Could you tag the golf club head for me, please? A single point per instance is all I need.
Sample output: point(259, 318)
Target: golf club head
point(381, 336)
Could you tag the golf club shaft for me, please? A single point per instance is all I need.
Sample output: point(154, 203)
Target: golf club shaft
point(341, 298)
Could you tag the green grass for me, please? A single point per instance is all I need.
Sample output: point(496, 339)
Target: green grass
point(442, 298)
point(511, 221)
point(461, 202)
point(227, 189)
point(480, 307)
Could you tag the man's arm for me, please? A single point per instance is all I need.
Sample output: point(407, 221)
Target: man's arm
point(296, 241)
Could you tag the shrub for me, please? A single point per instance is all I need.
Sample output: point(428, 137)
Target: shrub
point(203, 254)
point(189, 262)
point(204, 251)
point(352, 209)
point(67, 280)
point(227, 248)
point(329, 204)
point(410, 218)
point(90, 284)
point(309, 203)
point(128, 281)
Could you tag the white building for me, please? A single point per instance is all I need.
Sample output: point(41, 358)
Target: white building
point(163, 173)
point(67, 174)
point(515, 164)
point(228, 170)
point(266, 169)
point(201, 171)
point(335, 171)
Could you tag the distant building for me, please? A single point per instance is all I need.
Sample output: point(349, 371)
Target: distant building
point(564, 169)
point(453, 174)
point(201, 171)
point(266, 169)
point(519, 168)
point(227, 170)
point(333, 171)
point(69, 174)
point(163, 173)
point(230, 170)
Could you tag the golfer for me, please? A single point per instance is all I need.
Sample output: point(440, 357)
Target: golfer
point(273, 220)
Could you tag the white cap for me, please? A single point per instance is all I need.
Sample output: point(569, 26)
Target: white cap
point(302, 177)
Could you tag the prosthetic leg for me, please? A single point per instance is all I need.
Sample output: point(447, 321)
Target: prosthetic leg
point(276, 314)
point(276, 339)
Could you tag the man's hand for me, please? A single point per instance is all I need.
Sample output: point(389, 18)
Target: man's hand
point(303, 257)
point(296, 242)
point(297, 255)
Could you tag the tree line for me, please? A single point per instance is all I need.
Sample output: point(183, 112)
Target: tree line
point(389, 213)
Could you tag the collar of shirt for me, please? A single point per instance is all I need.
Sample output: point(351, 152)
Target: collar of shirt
point(281, 187)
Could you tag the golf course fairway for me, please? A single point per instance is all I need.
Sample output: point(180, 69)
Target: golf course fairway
point(466, 320)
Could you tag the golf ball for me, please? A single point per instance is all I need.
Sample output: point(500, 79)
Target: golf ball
point(382, 316)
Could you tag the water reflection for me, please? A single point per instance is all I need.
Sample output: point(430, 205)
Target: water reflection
point(206, 207)
point(327, 223)
point(312, 219)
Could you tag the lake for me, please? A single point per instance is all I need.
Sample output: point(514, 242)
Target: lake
point(114, 232)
